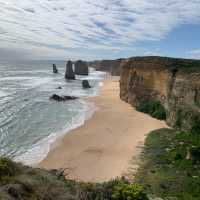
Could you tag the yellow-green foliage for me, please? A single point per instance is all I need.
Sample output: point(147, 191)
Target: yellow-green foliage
point(124, 191)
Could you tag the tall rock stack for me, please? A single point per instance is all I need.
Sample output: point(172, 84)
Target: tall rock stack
point(69, 74)
point(55, 70)
point(81, 68)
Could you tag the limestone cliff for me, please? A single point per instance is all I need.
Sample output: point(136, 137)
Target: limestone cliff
point(112, 66)
point(175, 83)
point(81, 68)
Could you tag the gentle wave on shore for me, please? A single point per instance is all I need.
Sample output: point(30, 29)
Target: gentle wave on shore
point(29, 122)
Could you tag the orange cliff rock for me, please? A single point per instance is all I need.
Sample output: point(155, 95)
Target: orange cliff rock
point(175, 83)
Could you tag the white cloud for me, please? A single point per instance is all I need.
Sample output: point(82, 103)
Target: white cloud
point(195, 54)
point(74, 25)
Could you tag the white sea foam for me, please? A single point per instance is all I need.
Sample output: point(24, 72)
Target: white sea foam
point(14, 78)
point(35, 82)
point(3, 94)
point(39, 151)
point(45, 86)
point(101, 84)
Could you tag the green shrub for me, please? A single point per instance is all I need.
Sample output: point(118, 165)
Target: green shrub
point(196, 125)
point(7, 169)
point(125, 191)
point(195, 153)
point(170, 165)
point(154, 108)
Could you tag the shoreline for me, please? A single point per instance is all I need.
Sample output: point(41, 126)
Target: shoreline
point(102, 148)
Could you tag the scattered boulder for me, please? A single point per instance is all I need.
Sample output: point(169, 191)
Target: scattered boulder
point(85, 84)
point(58, 98)
point(59, 88)
point(55, 70)
point(67, 98)
point(81, 68)
point(69, 74)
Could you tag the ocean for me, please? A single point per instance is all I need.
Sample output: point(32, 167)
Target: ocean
point(29, 122)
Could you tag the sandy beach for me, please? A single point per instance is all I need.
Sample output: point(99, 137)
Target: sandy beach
point(103, 147)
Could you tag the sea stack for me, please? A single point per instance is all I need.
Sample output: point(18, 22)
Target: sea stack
point(69, 74)
point(85, 84)
point(81, 68)
point(55, 70)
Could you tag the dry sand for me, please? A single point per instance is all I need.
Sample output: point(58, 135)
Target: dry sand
point(103, 147)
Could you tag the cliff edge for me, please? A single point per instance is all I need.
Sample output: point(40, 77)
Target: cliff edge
point(174, 83)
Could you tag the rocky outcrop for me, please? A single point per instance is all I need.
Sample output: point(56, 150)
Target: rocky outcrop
point(85, 84)
point(175, 83)
point(112, 66)
point(55, 70)
point(69, 74)
point(81, 68)
point(58, 98)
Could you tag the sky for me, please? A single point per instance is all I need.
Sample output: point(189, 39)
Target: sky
point(99, 29)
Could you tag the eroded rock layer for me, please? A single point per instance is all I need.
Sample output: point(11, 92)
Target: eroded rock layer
point(175, 83)
point(81, 68)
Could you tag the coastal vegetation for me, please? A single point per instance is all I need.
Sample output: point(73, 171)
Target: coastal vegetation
point(167, 89)
point(170, 164)
point(21, 182)
point(169, 167)
point(153, 108)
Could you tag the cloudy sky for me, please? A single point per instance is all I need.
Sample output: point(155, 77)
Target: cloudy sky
point(95, 29)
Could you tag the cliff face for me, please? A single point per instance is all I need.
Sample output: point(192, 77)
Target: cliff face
point(112, 66)
point(175, 83)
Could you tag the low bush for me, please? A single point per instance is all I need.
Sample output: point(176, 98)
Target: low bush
point(8, 169)
point(21, 182)
point(154, 108)
point(125, 191)
point(196, 125)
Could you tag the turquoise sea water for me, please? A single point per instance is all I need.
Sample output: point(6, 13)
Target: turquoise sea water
point(29, 121)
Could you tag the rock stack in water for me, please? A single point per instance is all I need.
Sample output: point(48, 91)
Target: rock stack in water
point(81, 68)
point(69, 74)
point(55, 70)
point(85, 84)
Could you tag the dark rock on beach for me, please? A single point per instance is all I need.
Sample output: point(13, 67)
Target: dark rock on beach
point(58, 98)
point(69, 74)
point(85, 84)
point(81, 68)
point(55, 70)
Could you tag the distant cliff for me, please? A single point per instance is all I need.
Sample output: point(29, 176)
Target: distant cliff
point(175, 83)
point(112, 66)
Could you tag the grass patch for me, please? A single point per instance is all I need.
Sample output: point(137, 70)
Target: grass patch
point(153, 108)
point(170, 165)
